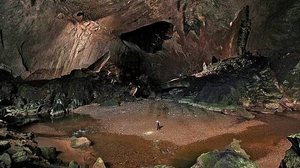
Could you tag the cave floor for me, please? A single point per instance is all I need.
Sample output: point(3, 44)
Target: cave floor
point(126, 135)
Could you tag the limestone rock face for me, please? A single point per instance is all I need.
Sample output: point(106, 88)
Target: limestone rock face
point(48, 39)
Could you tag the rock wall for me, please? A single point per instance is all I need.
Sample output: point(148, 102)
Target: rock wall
point(48, 39)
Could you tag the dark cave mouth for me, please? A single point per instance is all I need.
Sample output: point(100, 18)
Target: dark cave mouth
point(139, 43)
point(150, 38)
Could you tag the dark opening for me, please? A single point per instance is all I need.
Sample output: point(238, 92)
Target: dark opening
point(32, 2)
point(131, 65)
point(4, 75)
point(150, 38)
point(214, 60)
point(138, 43)
point(133, 58)
point(80, 14)
point(1, 38)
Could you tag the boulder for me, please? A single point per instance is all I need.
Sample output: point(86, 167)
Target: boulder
point(81, 142)
point(233, 157)
point(292, 156)
point(49, 153)
point(295, 140)
point(4, 145)
point(73, 164)
point(236, 147)
point(222, 159)
point(5, 160)
point(20, 156)
point(291, 159)
point(99, 163)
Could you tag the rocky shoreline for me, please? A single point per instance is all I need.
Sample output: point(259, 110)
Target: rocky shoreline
point(20, 150)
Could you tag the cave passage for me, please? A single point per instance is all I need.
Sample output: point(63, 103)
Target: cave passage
point(150, 38)
point(147, 39)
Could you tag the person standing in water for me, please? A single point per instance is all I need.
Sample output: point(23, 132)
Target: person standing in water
point(157, 125)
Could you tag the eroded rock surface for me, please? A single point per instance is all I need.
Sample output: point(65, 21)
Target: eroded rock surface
point(48, 39)
point(229, 86)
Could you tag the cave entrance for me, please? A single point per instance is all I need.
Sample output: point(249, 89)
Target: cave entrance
point(138, 45)
point(150, 38)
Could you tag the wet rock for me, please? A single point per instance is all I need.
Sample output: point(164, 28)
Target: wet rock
point(21, 116)
point(19, 136)
point(291, 159)
point(26, 120)
point(20, 156)
point(4, 145)
point(236, 147)
point(73, 164)
point(81, 142)
point(292, 156)
point(221, 159)
point(49, 153)
point(240, 112)
point(233, 157)
point(5, 160)
point(3, 133)
point(99, 163)
point(233, 110)
point(20, 150)
point(295, 140)
point(58, 111)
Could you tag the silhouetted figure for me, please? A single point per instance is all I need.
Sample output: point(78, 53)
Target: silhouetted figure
point(157, 125)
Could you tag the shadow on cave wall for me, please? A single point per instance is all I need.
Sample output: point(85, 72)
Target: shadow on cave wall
point(138, 46)
point(150, 38)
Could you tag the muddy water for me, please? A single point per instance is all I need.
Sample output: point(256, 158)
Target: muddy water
point(258, 141)
point(134, 151)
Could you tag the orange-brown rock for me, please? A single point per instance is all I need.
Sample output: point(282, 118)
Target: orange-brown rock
point(47, 39)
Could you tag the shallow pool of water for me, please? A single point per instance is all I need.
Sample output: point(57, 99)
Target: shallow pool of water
point(134, 151)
